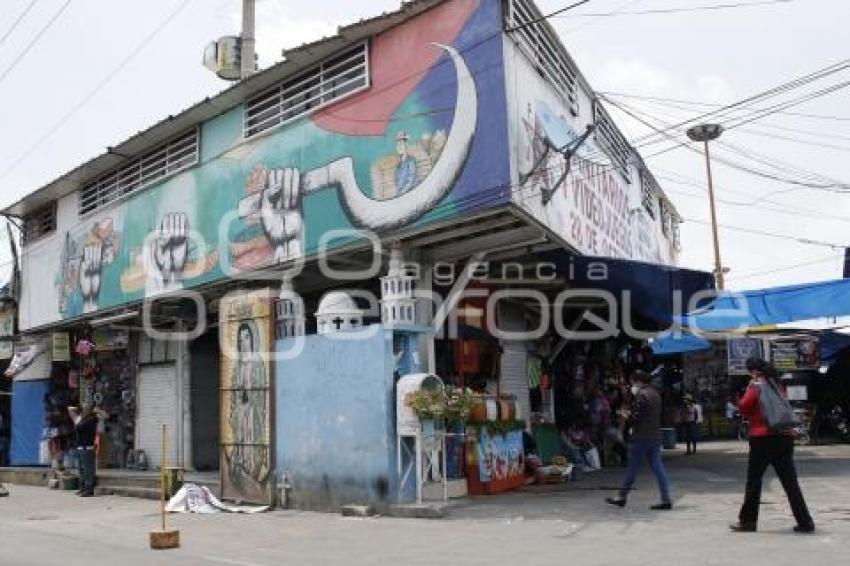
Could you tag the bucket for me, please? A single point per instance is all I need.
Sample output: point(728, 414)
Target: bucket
point(492, 410)
point(668, 438)
point(478, 412)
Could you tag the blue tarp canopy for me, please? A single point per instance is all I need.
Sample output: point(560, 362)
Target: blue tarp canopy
point(831, 344)
point(671, 343)
point(733, 310)
point(653, 288)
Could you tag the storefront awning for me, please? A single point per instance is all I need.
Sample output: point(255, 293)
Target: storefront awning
point(652, 288)
point(733, 310)
point(669, 344)
point(24, 356)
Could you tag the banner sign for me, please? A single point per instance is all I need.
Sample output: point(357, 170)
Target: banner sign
point(740, 350)
point(799, 353)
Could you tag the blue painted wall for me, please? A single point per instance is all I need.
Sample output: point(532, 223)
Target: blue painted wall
point(27, 421)
point(335, 421)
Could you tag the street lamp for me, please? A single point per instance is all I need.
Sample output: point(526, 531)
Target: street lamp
point(705, 133)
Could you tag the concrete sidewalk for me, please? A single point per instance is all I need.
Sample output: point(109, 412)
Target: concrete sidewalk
point(569, 525)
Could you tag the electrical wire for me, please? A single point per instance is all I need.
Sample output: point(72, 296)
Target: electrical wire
point(34, 40)
point(833, 186)
point(554, 14)
point(94, 91)
point(17, 21)
point(790, 267)
point(724, 111)
point(689, 104)
point(676, 10)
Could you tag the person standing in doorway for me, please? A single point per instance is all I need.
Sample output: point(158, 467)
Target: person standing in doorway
point(85, 432)
point(693, 418)
point(646, 442)
point(768, 447)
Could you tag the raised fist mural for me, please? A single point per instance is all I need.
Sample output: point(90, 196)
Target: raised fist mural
point(171, 248)
point(280, 213)
point(90, 270)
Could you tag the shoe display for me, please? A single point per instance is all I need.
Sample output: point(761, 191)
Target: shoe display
point(743, 527)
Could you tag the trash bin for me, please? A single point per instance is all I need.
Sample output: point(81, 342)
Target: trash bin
point(668, 438)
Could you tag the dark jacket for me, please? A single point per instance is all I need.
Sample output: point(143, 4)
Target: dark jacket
point(647, 414)
point(85, 430)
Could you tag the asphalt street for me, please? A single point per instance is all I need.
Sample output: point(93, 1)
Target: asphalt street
point(568, 524)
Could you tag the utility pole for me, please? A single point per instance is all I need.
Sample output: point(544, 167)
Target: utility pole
point(248, 39)
point(705, 133)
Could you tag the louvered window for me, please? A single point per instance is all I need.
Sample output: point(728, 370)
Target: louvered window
point(167, 159)
point(327, 82)
point(39, 223)
point(611, 141)
point(545, 49)
point(648, 192)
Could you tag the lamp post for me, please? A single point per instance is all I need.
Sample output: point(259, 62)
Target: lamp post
point(705, 133)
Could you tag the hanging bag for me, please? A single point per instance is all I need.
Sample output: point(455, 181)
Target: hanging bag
point(777, 411)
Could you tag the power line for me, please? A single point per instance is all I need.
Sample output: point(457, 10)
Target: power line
point(833, 186)
point(17, 21)
point(751, 274)
point(676, 10)
point(724, 111)
point(674, 101)
point(34, 40)
point(98, 87)
point(805, 241)
point(554, 14)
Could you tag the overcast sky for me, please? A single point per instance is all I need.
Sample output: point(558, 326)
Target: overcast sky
point(105, 70)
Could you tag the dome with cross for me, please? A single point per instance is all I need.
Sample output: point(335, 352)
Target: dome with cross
point(338, 312)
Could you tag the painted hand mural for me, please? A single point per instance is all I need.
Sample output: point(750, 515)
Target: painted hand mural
point(82, 261)
point(280, 212)
point(171, 248)
point(426, 139)
point(90, 270)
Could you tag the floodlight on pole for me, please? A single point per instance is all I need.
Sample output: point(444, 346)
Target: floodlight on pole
point(705, 133)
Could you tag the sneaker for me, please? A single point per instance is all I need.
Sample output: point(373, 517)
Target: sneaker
point(743, 527)
point(662, 506)
point(804, 529)
point(619, 502)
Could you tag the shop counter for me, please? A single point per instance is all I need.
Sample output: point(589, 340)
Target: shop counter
point(496, 462)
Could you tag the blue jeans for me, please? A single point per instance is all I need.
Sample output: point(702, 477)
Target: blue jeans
point(651, 450)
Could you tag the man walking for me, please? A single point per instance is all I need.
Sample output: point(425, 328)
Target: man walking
point(646, 442)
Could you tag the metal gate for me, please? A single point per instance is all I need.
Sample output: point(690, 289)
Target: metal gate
point(157, 406)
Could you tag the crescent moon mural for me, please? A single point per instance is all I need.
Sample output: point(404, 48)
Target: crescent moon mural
point(366, 212)
point(275, 203)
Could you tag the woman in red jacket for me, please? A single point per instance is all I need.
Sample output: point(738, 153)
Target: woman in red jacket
point(768, 447)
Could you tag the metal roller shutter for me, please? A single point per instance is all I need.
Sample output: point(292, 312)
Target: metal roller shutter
point(515, 375)
point(157, 405)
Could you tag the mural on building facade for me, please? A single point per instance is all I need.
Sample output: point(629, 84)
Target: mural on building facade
point(425, 141)
point(245, 335)
point(591, 207)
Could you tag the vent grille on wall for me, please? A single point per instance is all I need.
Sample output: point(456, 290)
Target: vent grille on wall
point(611, 141)
point(544, 48)
point(40, 223)
point(335, 78)
point(167, 159)
point(648, 191)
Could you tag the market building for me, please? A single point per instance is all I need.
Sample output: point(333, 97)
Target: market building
point(168, 279)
